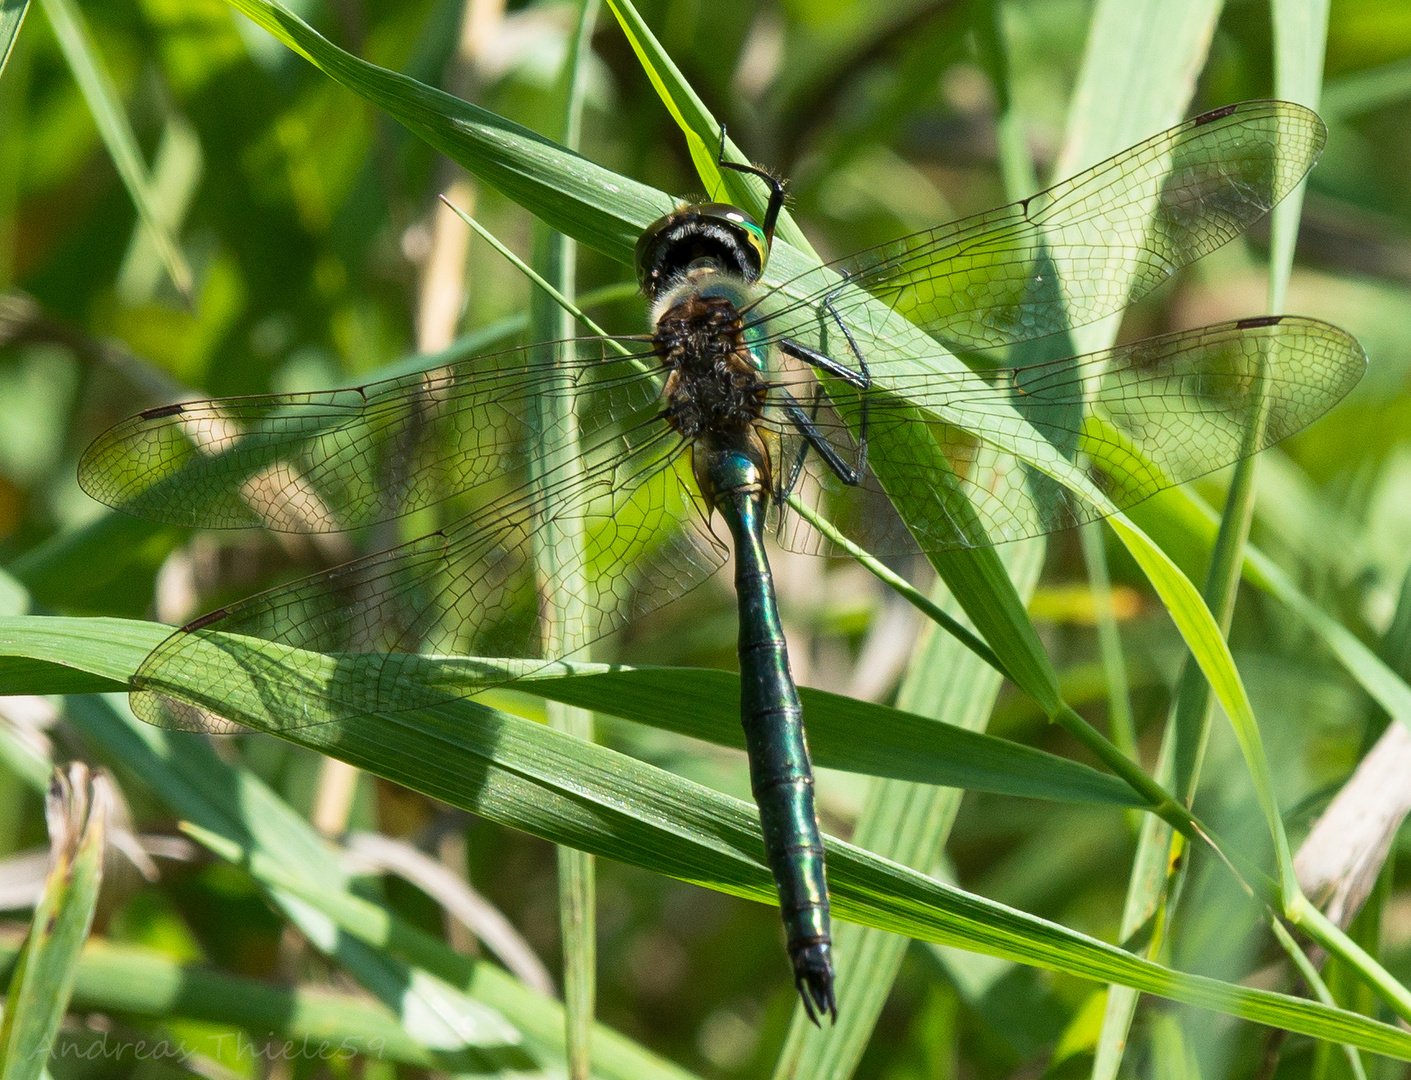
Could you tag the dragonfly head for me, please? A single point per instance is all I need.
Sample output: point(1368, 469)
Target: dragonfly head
point(717, 235)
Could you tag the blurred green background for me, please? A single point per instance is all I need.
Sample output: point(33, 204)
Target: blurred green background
point(319, 254)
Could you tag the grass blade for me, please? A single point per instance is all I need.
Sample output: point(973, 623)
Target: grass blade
point(553, 422)
point(103, 102)
point(563, 790)
point(74, 655)
point(1300, 44)
point(12, 13)
point(77, 807)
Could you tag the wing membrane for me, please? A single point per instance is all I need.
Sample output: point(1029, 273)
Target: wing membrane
point(344, 459)
point(472, 588)
point(1138, 419)
point(1109, 234)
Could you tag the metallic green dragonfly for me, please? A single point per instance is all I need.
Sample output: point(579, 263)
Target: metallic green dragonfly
point(548, 495)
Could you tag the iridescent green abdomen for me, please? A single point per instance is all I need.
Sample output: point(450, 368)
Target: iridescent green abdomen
point(781, 774)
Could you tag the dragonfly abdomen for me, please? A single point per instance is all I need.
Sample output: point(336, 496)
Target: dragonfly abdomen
point(781, 775)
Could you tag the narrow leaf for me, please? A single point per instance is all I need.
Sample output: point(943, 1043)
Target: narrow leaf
point(576, 793)
point(93, 79)
point(77, 807)
point(12, 13)
point(73, 655)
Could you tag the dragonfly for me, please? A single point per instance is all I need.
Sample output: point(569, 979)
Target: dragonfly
point(577, 485)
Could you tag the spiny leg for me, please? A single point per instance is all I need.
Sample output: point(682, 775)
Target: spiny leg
point(805, 423)
point(860, 378)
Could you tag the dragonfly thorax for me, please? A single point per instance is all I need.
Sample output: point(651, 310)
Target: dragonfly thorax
point(714, 394)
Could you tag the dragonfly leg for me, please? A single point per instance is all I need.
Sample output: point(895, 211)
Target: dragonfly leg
point(859, 379)
point(796, 470)
point(806, 426)
point(776, 189)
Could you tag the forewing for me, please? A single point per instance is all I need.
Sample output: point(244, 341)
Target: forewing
point(1108, 235)
point(373, 635)
point(1136, 419)
point(344, 459)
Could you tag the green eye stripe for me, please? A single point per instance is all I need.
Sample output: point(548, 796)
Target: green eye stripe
point(760, 242)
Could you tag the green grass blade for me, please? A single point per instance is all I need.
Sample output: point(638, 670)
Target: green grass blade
point(187, 776)
point(103, 102)
point(1209, 650)
point(131, 981)
point(550, 785)
point(74, 655)
point(77, 808)
point(1300, 44)
point(1120, 725)
point(557, 544)
point(12, 13)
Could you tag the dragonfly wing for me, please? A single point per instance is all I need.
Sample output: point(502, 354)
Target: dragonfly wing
point(398, 630)
point(1107, 235)
point(1132, 420)
point(344, 459)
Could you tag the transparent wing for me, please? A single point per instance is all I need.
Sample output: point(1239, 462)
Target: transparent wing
point(1106, 236)
point(476, 588)
point(344, 459)
point(1137, 419)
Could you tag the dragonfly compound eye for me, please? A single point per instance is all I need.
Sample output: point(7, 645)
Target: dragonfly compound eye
point(716, 233)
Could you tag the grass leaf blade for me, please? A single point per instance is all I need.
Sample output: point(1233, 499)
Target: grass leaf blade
point(77, 808)
point(104, 103)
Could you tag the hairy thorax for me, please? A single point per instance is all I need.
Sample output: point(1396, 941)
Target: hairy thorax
point(714, 394)
point(712, 385)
